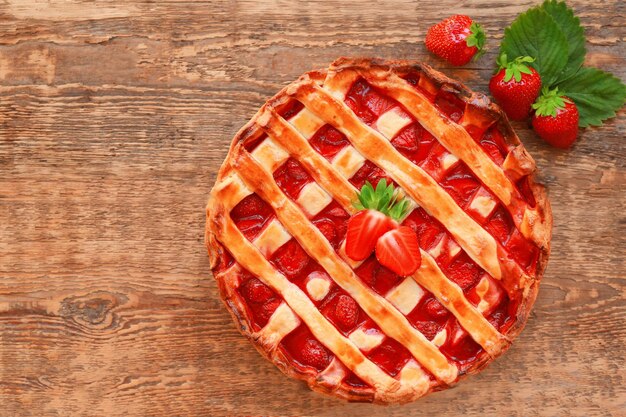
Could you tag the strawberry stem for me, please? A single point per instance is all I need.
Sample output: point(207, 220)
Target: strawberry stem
point(514, 69)
point(476, 38)
point(549, 102)
point(384, 198)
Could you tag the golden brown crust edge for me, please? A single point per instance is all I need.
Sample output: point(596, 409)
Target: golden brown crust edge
point(480, 102)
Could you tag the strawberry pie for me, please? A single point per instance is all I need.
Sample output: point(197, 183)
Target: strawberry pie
point(376, 231)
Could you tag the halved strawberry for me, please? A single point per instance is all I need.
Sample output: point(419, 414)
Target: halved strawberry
point(399, 251)
point(381, 209)
point(364, 229)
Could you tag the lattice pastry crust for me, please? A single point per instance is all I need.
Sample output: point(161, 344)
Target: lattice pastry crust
point(325, 97)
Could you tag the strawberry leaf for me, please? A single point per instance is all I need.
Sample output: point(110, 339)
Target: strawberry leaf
point(574, 33)
point(536, 34)
point(597, 94)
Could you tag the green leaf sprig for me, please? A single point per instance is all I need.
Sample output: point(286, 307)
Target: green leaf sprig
point(553, 36)
point(384, 198)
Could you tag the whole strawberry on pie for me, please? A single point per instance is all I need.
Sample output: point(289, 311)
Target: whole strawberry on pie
point(376, 231)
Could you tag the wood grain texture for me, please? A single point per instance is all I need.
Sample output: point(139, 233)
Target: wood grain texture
point(113, 122)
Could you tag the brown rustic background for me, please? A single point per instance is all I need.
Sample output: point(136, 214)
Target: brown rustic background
point(113, 122)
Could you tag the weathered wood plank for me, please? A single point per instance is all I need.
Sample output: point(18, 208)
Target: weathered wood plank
point(113, 123)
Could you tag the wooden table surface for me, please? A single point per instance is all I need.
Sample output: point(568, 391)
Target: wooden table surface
point(113, 123)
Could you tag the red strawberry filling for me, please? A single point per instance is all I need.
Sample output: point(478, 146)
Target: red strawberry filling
point(391, 356)
point(414, 142)
point(332, 221)
point(305, 349)
point(376, 276)
point(461, 184)
point(327, 227)
point(261, 300)
point(500, 225)
point(367, 102)
point(224, 262)
point(354, 381)
point(465, 351)
point(343, 311)
point(328, 141)
point(429, 316)
point(291, 177)
point(291, 109)
point(435, 309)
point(251, 215)
point(493, 143)
point(368, 172)
point(522, 251)
point(427, 228)
point(256, 292)
point(463, 271)
point(523, 185)
point(450, 105)
point(290, 259)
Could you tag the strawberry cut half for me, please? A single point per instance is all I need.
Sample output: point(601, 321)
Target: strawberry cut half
point(381, 210)
point(399, 251)
point(364, 230)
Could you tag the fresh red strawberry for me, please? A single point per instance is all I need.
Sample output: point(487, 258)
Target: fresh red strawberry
point(364, 229)
point(315, 355)
point(346, 312)
point(456, 39)
point(515, 86)
point(381, 209)
point(399, 251)
point(555, 119)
